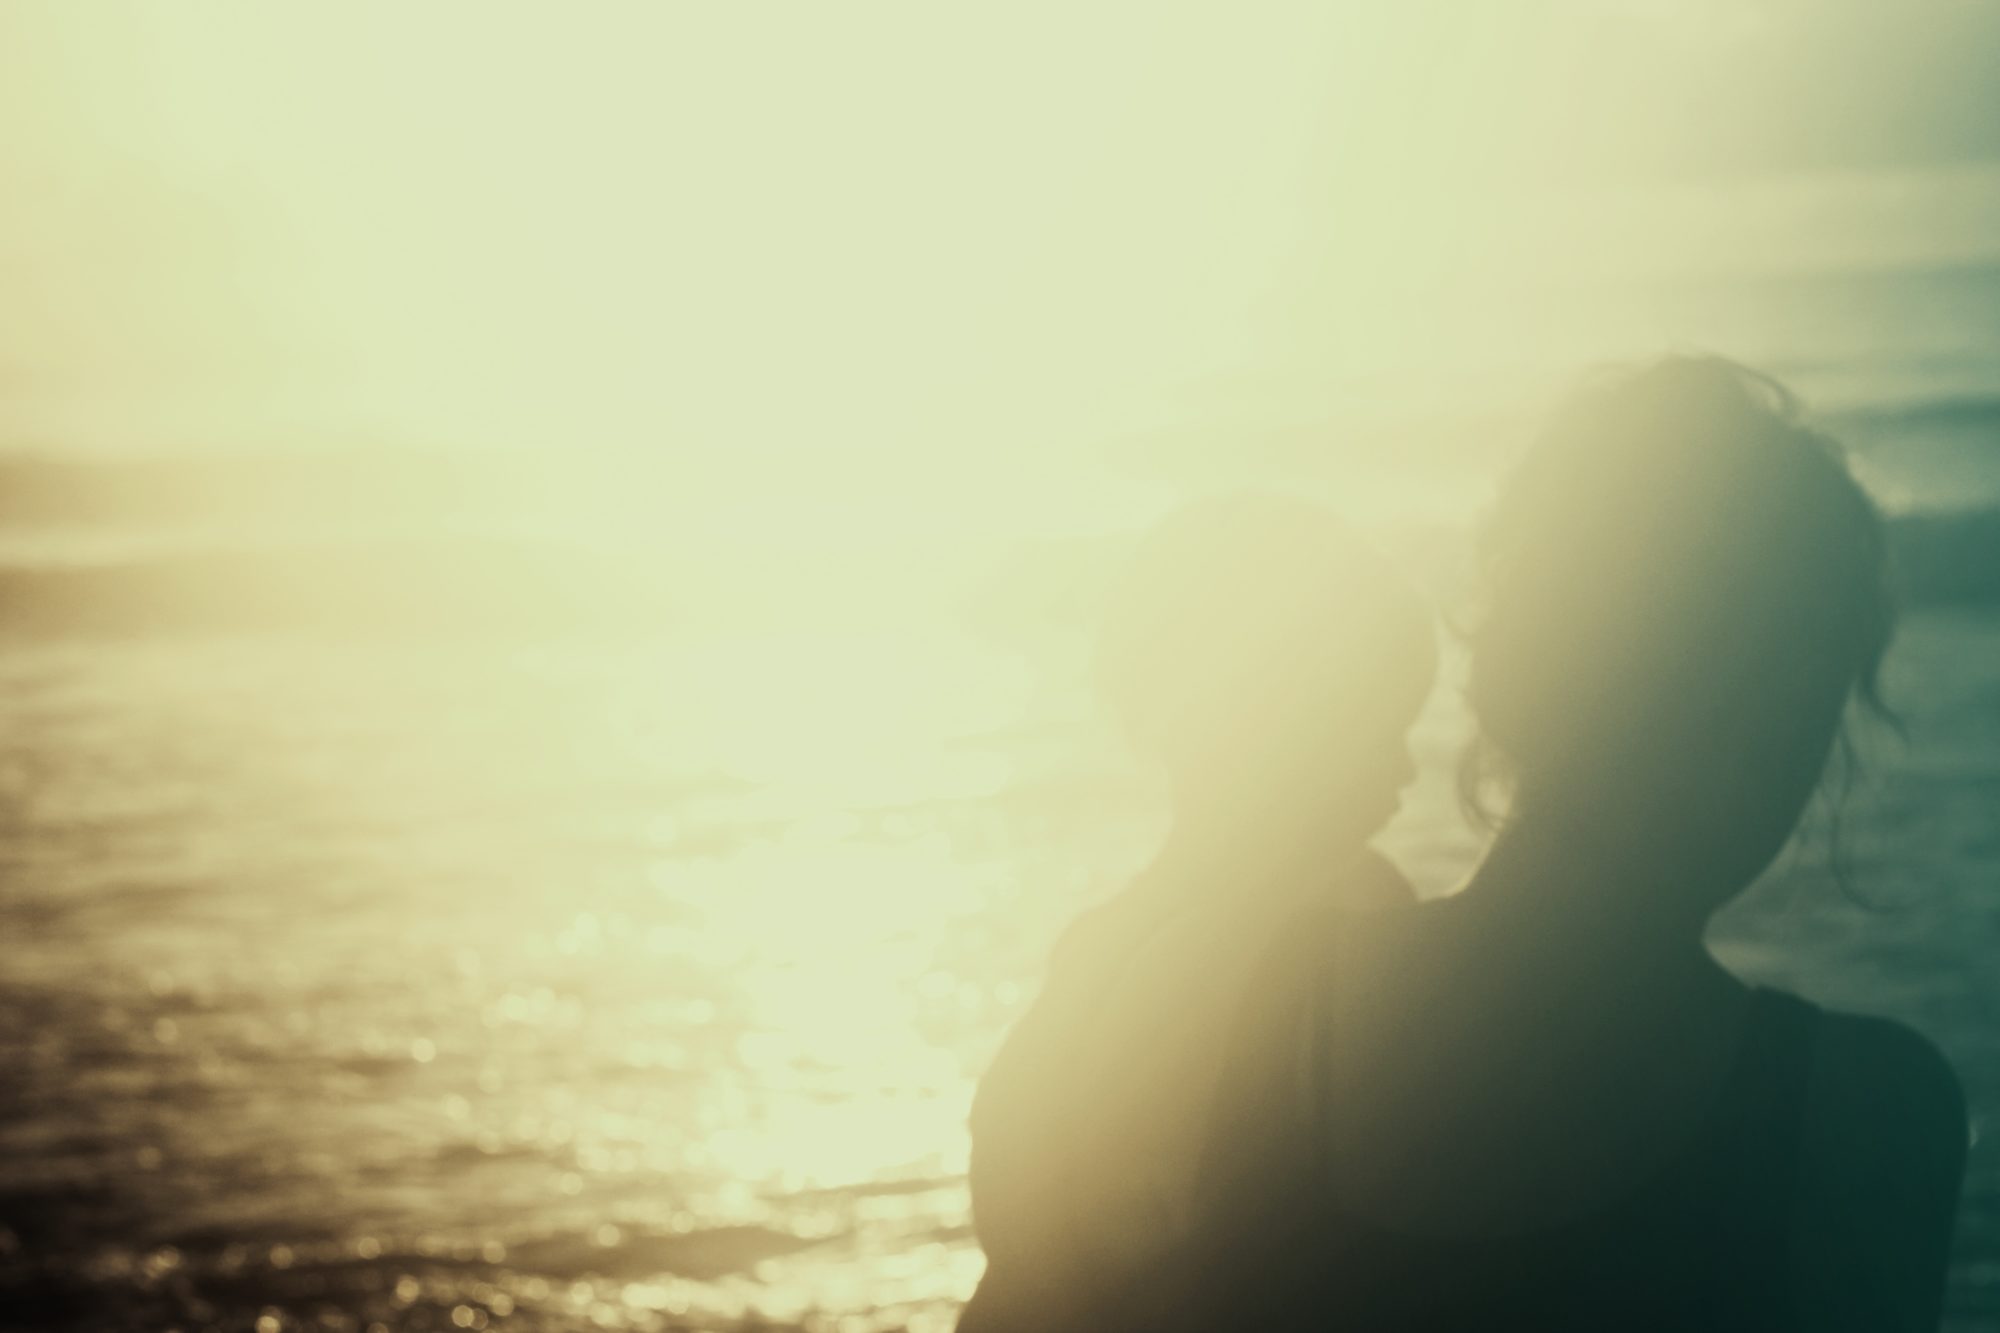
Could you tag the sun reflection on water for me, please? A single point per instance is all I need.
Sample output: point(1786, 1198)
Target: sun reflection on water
point(621, 986)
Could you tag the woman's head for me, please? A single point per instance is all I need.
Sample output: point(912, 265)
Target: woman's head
point(1685, 587)
point(1272, 663)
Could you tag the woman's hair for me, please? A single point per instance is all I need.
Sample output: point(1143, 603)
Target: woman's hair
point(1683, 585)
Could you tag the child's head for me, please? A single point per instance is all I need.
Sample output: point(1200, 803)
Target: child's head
point(1272, 663)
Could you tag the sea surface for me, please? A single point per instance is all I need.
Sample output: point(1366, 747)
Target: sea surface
point(638, 978)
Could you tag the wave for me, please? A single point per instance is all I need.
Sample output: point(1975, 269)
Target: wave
point(1949, 557)
point(1901, 420)
point(434, 587)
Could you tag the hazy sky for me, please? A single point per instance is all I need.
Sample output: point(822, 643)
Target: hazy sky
point(233, 223)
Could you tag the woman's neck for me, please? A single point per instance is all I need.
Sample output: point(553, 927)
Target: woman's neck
point(1569, 882)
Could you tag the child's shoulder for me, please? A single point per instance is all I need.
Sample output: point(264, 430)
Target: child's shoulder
point(1372, 881)
point(1112, 925)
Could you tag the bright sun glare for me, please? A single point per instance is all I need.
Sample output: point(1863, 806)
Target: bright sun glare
point(857, 248)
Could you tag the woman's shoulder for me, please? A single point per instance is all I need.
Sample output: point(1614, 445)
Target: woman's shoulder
point(1886, 1127)
point(1870, 1076)
point(1882, 1157)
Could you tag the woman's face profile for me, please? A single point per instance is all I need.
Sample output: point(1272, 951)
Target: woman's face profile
point(1760, 789)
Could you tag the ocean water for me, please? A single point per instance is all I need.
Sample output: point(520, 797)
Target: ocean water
point(640, 980)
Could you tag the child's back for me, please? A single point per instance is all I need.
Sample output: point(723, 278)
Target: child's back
point(1273, 666)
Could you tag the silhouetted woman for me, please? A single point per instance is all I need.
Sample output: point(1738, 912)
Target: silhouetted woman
point(1540, 1104)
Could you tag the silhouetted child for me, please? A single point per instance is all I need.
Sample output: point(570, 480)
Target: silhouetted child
point(1273, 666)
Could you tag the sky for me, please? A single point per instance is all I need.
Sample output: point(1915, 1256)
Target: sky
point(782, 236)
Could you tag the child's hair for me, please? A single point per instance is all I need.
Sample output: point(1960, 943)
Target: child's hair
point(1242, 617)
